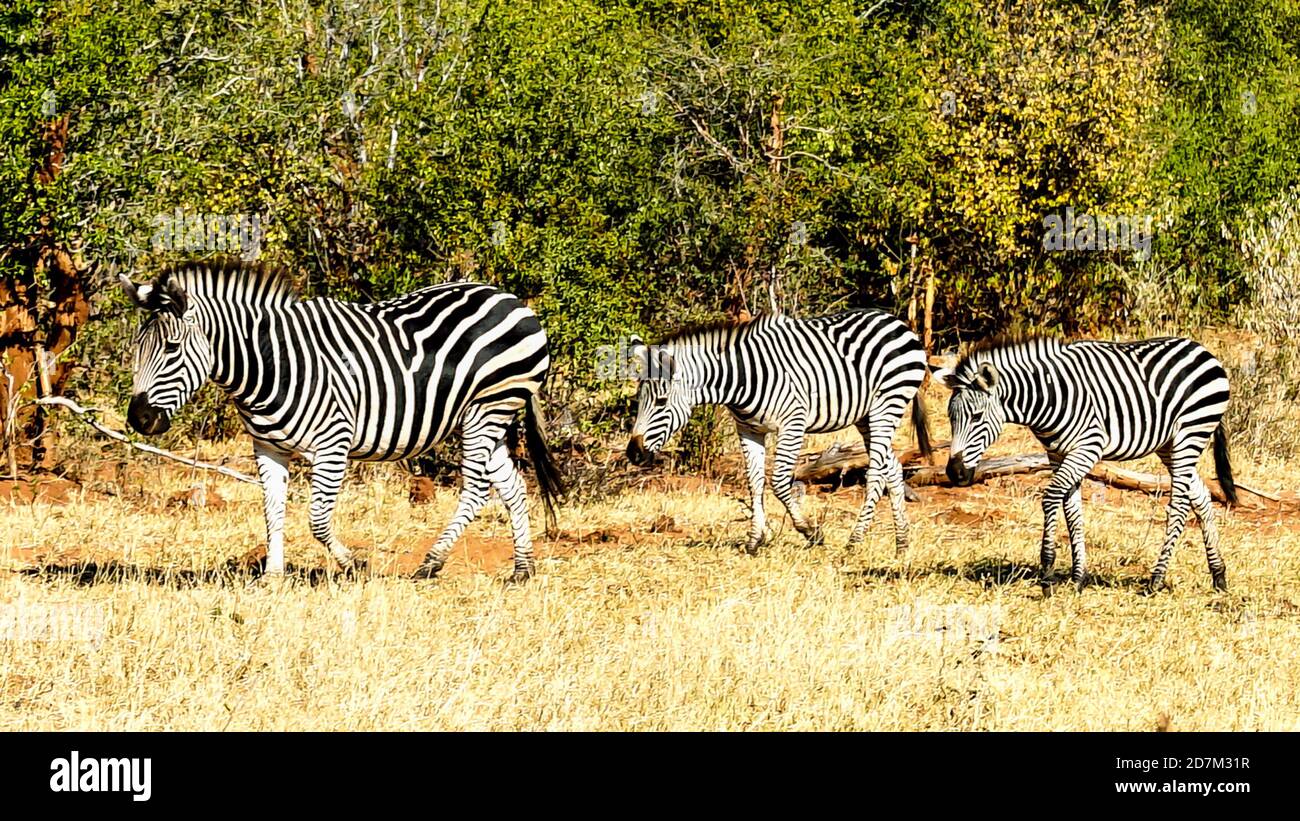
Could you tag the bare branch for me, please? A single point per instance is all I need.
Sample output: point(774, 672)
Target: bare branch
point(87, 415)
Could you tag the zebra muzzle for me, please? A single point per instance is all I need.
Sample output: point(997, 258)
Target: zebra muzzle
point(637, 453)
point(145, 418)
point(959, 473)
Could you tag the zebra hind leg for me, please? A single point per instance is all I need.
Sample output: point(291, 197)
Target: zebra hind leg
point(1180, 502)
point(327, 469)
point(897, 498)
point(509, 486)
point(875, 487)
point(884, 473)
point(479, 439)
point(1074, 523)
point(788, 443)
point(1200, 496)
point(1197, 497)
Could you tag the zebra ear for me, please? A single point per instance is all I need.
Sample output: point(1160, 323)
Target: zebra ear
point(172, 299)
point(987, 379)
point(664, 363)
point(138, 294)
point(946, 377)
point(636, 356)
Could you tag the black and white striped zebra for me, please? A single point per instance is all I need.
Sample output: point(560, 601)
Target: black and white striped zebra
point(337, 381)
point(790, 377)
point(1087, 401)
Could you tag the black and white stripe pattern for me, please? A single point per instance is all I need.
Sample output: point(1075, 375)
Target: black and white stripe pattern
point(1087, 401)
point(790, 377)
point(337, 381)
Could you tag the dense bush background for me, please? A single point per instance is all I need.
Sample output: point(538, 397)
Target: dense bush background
point(632, 165)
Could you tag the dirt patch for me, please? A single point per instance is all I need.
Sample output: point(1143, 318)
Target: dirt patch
point(197, 497)
point(423, 490)
point(961, 518)
point(46, 489)
point(495, 556)
point(676, 483)
point(664, 524)
point(1272, 519)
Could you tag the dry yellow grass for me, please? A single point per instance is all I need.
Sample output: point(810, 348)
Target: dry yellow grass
point(677, 630)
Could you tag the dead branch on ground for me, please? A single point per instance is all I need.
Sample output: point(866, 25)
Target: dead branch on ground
point(87, 415)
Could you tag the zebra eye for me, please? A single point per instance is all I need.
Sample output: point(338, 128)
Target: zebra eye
point(172, 346)
point(661, 401)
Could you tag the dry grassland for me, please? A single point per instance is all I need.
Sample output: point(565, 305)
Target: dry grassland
point(646, 615)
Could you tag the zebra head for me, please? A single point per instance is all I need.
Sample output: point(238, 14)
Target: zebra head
point(172, 354)
point(976, 414)
point(664, 401)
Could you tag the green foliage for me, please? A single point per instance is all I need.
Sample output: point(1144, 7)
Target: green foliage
point(631, 166)
point(1232, 105)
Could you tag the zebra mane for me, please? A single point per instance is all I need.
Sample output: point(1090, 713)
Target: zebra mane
point(710, 327)
point(263, 283)
point(1001, 342)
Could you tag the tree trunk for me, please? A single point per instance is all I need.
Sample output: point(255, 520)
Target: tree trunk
point(42, 308)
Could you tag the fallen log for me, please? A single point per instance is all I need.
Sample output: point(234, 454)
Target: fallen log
point(1126, 479)
point(841, 457)
point(988, 469)
point(832, 463)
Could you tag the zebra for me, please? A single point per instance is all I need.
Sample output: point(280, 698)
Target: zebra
point(790, 377)
point(337, 381)
point(1092, 400)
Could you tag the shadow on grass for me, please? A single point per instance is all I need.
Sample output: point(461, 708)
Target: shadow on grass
point(992, 573)
point(88, 574)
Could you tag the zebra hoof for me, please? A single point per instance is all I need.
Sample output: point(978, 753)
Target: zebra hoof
point(1080, 584)
point(754, 545)
point(815, 537)
point(268, 581)
point(428, 569)
point(1155, 585)
point(354, 568)
point(1046, 586)
point(1221, 582)
point(520, 576)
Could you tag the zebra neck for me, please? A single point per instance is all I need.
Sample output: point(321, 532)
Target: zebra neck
point(1025, 388)
point(244, 340)
point(709, 367)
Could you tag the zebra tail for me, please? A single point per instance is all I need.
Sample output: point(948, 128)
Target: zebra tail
point(921, 424)
point(549, 479)
point(1223, 463)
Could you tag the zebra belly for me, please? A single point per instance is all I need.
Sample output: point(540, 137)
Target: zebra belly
point(814, 417)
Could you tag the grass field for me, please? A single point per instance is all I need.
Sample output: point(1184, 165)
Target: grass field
point(123, 612)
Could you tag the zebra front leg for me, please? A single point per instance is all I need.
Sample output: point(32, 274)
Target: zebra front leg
point(327, 469)
point(1200, 497)
point(1067, 475)
point(1074, 524)
point(752, 444)
point(789, 440)
point(509, 486)
point(273, 468)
